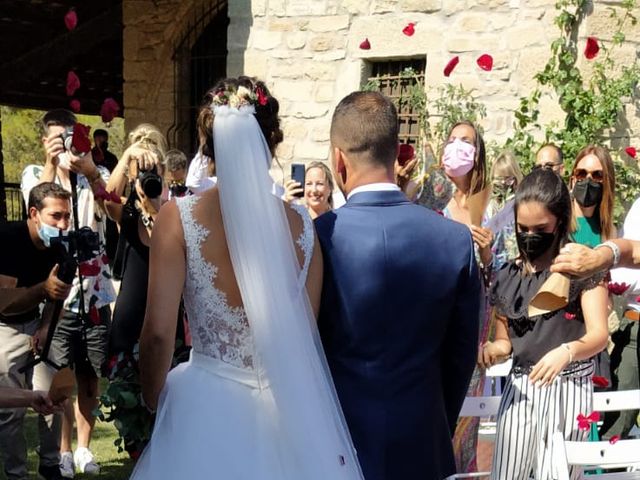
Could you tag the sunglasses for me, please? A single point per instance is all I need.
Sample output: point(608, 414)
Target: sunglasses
point(582, 174)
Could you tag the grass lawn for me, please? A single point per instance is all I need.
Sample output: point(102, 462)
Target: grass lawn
point(114, 465)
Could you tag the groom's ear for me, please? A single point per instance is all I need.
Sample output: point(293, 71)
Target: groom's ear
point(339, 164)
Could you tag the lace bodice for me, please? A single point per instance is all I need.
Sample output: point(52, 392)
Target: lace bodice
point(217, 329)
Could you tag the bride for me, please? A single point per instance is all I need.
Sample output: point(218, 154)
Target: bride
point(255, 400)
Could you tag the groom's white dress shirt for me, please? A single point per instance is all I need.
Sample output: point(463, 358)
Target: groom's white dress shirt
point(374, 187)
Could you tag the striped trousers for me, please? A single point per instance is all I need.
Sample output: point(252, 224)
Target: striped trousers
point(528, 417)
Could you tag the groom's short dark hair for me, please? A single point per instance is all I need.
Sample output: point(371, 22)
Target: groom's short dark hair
point(365, 125)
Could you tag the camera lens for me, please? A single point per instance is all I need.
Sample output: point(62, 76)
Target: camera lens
point(151, 184)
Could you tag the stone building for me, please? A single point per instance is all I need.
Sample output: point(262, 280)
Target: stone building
point(308, 51)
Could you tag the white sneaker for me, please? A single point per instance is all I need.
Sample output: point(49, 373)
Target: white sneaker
point(83, 458)
point(67, 468)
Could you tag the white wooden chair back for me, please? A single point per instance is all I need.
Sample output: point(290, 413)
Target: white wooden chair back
point(622, 454)
point(616, 401)
point(480, 406)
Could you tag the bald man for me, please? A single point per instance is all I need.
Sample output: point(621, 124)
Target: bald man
point(550, 156)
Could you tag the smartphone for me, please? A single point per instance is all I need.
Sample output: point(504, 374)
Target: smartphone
point(297, 174)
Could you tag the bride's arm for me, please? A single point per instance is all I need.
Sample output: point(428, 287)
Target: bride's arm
point(166, 280)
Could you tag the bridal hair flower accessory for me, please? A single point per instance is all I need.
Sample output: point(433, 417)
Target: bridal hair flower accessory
point(242, 97)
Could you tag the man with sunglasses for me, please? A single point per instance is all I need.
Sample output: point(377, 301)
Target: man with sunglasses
point(550, 156)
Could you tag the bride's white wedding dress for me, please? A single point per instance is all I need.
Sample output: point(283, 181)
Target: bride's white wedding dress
point(215, 419)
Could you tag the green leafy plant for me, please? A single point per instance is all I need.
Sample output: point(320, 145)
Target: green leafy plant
point(592, 104)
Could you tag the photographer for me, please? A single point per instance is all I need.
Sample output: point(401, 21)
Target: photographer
point(80, 340)
point(141, 168)
point(27, 278)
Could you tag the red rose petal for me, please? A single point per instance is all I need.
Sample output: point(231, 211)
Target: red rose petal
point(485, 62)
point(617, 288)
point(613, 440)
point(94, 315)
point(599, 381)
point(81, 142)
point(89, 269)
point(71, 19)
point(451, 65)
point(569, 316)
point(262, 98)
point(631, 151)
point(365, 45)
point(592, 48)
point(73, 83)
point(75, 105)
point(409, 30)
point(405, 153)
point(109, 110)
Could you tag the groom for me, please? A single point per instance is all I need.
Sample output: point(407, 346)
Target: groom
point(400, 304)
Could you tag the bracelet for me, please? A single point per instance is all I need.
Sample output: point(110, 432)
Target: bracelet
point(615, 249)
point(568, 349)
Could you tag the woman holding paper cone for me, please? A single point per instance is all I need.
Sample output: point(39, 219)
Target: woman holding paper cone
point(550, 383)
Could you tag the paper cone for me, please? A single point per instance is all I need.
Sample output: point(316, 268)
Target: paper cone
point(477, 205)
point(553, 295)
point(62, 385)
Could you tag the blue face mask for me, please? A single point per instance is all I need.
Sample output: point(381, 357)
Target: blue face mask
point(47, 232)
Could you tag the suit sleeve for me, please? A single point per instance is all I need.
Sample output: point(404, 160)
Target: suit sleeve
point(461, 339)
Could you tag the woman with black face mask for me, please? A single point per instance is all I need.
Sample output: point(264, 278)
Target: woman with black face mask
point(550, 383)
point(592, 186)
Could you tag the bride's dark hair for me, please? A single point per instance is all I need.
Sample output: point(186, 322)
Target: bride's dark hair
point(266, 113)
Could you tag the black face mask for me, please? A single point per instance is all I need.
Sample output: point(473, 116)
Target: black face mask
point(534, 244)
point(587, 192)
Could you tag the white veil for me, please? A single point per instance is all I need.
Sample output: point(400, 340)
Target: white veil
point(287, 343)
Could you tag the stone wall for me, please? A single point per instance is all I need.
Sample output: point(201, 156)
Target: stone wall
point(308, 52)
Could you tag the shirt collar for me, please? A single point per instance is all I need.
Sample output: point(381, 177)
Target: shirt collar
point(374, 187)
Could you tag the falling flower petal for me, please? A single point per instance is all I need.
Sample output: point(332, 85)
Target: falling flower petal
point(451, 65)
point(102, 194)
point(94, 315)
point(365, 45)
point(73, 83)
point(592, 48)
point(81, 142)
point(109, 110)
point(89, 269)
point(71, 19)
point(409, 30)
point(613, 440)
point(584, 423)
point(75, 105)
point(569, 316)
point(405, 153)
point(262, 98)
point(631, 151)
point(599, 381)
point(618, 288)
point(485, 62)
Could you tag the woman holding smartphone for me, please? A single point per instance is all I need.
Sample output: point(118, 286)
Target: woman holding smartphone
point(317, 190)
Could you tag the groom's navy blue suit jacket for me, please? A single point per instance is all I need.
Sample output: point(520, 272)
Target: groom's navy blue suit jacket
point(399, 323)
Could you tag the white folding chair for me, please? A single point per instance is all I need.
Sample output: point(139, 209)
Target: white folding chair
point(616, 401)
point(592, 455)
point(622, 454)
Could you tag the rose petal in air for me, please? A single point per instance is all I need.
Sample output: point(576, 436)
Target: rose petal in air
point(71, 19)
point(599, 381)
point(592, 48)
point(485, 62)
point(409, 30)
point(451, 65)
point(109, 110)
point(613, 440)
point(73, 83)
point(75, 105)
point(365, 44)
point(631, 151)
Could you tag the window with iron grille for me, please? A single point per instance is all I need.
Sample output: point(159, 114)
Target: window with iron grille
point(396, 79)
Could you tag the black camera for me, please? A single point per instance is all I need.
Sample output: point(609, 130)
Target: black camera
point(150, 182)
point(82, 244)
